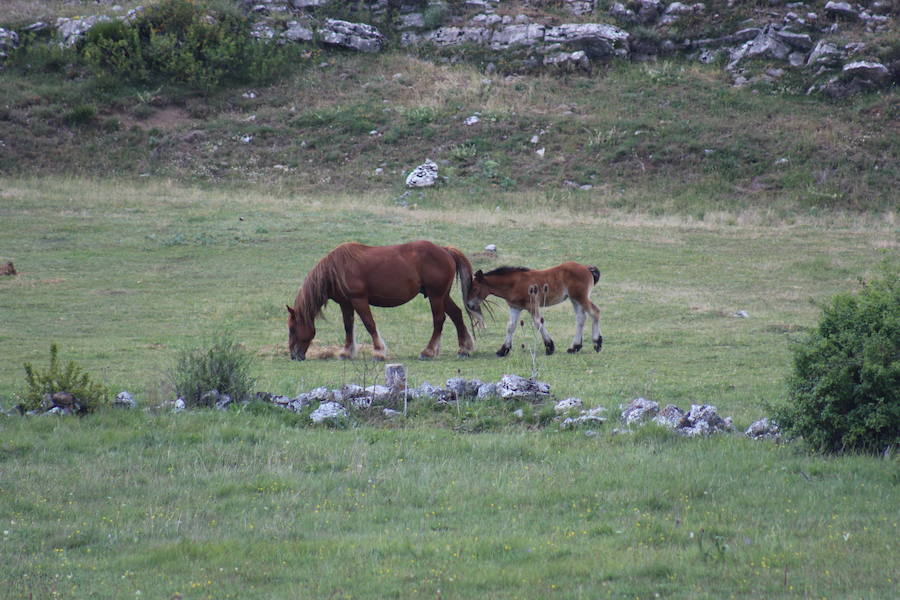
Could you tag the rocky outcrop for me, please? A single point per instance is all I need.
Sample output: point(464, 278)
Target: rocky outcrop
point(803, 37)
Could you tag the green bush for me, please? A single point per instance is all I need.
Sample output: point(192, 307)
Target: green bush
point(845, 386)
point(41, 385)
point(223, 367)
point(180, 42)
point(83, 114)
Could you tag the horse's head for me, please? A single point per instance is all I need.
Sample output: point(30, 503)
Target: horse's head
point(301, 332)
point(478, 291)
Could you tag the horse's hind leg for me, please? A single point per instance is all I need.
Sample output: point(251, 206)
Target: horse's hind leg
point(438, 316)
point(365, 315)
point(579, 328)
point(466, 343)
point(349, 349)
point(596, 336)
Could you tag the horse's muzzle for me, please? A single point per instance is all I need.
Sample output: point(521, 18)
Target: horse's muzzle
point(297, 356)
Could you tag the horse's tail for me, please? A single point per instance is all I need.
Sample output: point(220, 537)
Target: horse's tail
point(595, 272)
point(464, 273)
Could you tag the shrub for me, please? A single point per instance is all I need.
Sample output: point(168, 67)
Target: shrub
point(845, 386)
point(179, 42)
point(83, 114)
point(224, 367)
point(41, 385)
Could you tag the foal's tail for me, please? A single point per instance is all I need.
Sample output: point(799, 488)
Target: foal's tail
point(595, 272)
point(464, 273)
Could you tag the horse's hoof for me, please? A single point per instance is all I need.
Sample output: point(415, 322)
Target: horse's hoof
point(598, 344)
point(550, 348)
point(463, 354)
point(574, 349)
point(503, 351)
point(423, 356)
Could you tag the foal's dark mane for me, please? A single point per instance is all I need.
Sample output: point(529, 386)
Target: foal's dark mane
point(506, 270)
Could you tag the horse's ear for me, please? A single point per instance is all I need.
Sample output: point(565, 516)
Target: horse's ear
point(479, 276)
point(290, 311)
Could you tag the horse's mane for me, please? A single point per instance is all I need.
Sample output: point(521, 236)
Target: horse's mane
point(506, 270)
point(326, 277)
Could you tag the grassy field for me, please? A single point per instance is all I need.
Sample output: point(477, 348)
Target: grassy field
point(252, 503)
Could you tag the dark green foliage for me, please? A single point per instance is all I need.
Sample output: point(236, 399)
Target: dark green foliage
point(224, 367)
point(178, 42)
point(83, 114)
point(71, 379)
point(845, 388)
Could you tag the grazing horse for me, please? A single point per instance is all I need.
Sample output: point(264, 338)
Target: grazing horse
point(357, 277)
point(528, 289)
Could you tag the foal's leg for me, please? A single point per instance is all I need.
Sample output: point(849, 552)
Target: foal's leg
point(466, 343)
point(596, 336)
point(349, 349)
point(365, 315)
point(438, 316)
point(579, 328)
point(549, 346)
point(510, 329)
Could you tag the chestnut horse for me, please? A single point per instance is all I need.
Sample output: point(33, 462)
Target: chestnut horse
point(528, 289)
point(357, 277)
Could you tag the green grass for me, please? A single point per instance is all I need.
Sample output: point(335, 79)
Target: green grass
point(253, 503)
point(240, 505)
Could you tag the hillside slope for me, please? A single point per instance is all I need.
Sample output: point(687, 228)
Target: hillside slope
point(667, 133)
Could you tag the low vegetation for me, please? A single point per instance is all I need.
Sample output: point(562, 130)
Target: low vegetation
point(41, 385)
point(222, 366)
point(845, 388)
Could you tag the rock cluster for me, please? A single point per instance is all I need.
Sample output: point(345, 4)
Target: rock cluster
point(701, 419)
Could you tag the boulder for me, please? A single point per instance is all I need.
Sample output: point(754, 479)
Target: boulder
point(9, 41)
point(328, 411)
point(597, 40)
point(764, 429)
point(590, 418)
point(425, 175)
point(703, 419)
point(639, 409)
point(70, 31)
point(514, 387)
point(564, 406)
point(871, 71)
point(843, 10)
point(355, 36)
point(569, 61)
point(824, 54)
point(124, 400)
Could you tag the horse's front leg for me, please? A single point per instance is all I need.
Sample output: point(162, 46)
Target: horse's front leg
point(364, 311)
point(438, 316)
point(349, 349)
point(549, 346)
point(510, 330)
point(466, 343)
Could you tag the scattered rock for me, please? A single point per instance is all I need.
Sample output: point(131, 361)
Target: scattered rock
point(564, 406)
point(764, 429)
point(125, 400)
point(592, 418)
point(425, 175)
point(328, 411)
point(514, 387)
point(639, 409)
